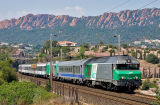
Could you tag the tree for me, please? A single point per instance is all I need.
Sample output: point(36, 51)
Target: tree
point(4, 57)
point(86, 46)
point(104, 49)
point(136, 54)
point(124, 46)
point(101, 43)
point(158, 52)
point(151, 58)
point(140, 52)
point(81, 52)
point(112, 51)
point(7, 73)
point(133, 54)
point(144, 55)
point(47, 44)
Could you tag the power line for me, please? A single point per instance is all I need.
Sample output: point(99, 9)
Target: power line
point(119, 5)
point(148, 4)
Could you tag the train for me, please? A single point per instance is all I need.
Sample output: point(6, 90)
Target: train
point(120, 72)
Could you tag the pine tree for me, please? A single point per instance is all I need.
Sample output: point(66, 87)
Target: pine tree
point(149, 72)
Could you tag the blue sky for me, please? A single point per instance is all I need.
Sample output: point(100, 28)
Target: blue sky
point(16, 8)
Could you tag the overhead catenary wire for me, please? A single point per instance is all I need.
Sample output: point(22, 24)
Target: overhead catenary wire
point(123, 3)
point(119, 5)
point(148, 4)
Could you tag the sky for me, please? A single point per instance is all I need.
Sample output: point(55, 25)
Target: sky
point(77, 8)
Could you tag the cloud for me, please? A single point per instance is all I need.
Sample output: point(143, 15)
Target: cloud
point(72, 11)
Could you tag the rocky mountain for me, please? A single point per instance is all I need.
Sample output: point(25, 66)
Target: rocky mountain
point(111, 20)
point(131, 21)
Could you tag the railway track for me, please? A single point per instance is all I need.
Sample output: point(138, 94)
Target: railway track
point(94, 94)
point(129, 99)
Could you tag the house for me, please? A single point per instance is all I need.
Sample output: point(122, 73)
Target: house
point(4, 44)
point(66, 43)
point(137, 42)
point(18, 53)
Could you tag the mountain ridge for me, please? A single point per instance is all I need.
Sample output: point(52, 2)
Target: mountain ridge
point(130, 24)
point(110, 20)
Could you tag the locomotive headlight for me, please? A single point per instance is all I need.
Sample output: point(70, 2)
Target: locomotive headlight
point(123, 77)
point(135, 77)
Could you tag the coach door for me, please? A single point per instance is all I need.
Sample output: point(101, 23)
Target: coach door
point(73, 71)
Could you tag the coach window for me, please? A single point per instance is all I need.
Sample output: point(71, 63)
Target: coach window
point(61, 68)
point(71, 68)
point(44, 68)
point(78, 69)
point(66, 68)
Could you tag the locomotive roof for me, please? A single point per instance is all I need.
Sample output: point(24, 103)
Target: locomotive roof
point(118, 59)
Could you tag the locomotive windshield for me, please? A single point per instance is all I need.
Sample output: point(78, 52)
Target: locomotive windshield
point(128, 66)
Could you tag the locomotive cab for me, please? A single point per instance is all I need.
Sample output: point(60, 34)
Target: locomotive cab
point(127, 73)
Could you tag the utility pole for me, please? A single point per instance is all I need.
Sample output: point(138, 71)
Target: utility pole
point(51, 67)
point(119, 45)
point(28, 57)
point(61, 54)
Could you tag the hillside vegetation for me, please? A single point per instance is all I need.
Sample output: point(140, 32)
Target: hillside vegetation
point(130, 24)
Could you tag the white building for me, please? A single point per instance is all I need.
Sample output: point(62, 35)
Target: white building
point(147, 41)
point(143, 46)
point(156, 41)
point(4, 44)
point(137, 42)
point(66, 43)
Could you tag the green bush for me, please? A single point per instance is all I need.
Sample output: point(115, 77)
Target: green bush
point(147, 84)
point(7, 73)
point(124, 46)
point(16, 93)
point(157, 101)
point(94, 49)
point(151, 58)
point(104, 49)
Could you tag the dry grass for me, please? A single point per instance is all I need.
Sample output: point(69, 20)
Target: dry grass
point(61, 101)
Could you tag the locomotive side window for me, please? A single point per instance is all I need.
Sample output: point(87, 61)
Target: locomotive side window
point(128, 66)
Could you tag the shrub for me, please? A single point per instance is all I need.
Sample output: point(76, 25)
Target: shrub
point(124, 46)
point(151, 58)
point(146, 85)
point(16, 93)
point(94, 49)
point(157, 101)
point(7, 73)
point(104, 49)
